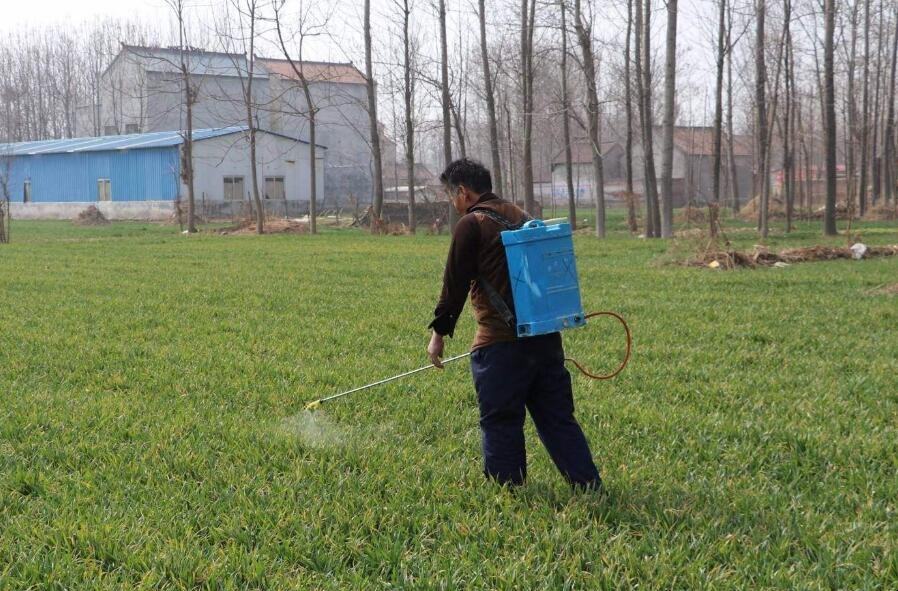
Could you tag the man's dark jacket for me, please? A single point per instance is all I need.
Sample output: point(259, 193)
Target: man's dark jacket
point(477, 252)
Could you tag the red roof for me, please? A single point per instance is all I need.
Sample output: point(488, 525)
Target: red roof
point(699, 141)
point(315, 71)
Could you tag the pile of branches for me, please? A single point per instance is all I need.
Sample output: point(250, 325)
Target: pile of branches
point(271, 226)
point(761, 257)
point(91, 217)
point(882, 212)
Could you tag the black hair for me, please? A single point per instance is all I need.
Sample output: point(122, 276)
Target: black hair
point(467, 172)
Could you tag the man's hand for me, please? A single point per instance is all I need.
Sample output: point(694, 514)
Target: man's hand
point(435, 349)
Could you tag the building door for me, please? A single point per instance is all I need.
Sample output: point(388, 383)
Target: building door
point(26, 192)
point(104, 190)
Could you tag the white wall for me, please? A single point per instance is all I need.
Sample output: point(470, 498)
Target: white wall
point(113, 210)
point(216, 158)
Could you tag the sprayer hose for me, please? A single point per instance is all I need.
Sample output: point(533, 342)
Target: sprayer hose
point(626, 360)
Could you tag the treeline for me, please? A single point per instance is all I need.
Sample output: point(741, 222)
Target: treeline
point(51, 76)
point(516, 83)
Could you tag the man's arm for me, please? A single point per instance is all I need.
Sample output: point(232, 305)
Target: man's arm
point(461, 270)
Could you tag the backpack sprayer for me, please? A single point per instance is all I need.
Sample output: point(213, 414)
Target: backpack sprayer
point(542, 271)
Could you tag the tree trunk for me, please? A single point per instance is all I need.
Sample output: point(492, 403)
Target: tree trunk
point(648, 142)
point(188, 161)
point(409, 123)
point(373, 123)
point(566, 123)
point(178, 7)
point(670, 80)
point(875, 175)
point(312, 112)
point(251, 122)
point(829, 89)
point(788, 146)
point(490, 100)
point(508, 136)
point(584, 35)
point(528, 7)
point(888, 152)
point(313, 172)
point(628, 105)
point(761, 108)
point(718, 103)
point(444, 92)
point(731, 140)
point(865, 114)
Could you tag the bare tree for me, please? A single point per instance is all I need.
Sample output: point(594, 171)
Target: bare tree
point(888, 151)
point(306, 27)
point(584, 36)
point(670, 79)
point(566, 122)
point(789, 116)
point(528, 10)
point(490, 98)
point(376, 154)
point(829, 89)
point(628, 107)
point(409, 94)
point(718, 101)
point(865, 114)
point(238, 32)
point(650, 182)
point(876, 168)
point(761, 108)
point(189, 93)
point(731, 140)
point(445, 100)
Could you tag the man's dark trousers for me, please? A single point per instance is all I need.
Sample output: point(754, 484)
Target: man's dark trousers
point(529, 372)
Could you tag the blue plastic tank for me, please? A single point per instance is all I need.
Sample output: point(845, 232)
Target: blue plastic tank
point(543, 275)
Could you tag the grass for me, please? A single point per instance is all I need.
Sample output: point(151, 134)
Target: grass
point(151, 433)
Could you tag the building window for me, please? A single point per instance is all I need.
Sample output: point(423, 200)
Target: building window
point(104, 190)
point(26, 192)
point(110, 130)
point(274, 187)
point(233, 188)
point(132, 128)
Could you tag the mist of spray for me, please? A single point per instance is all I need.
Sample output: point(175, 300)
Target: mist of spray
point(314, 429)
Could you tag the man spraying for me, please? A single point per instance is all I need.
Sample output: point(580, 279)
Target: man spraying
point(511, 374)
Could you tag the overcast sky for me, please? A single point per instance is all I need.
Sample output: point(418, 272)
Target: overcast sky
point(696, 16)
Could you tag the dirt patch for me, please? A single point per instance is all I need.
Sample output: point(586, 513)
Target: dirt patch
point(91, 217)
point(761, 257)
point(273, 226)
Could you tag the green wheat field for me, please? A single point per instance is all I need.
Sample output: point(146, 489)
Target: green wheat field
point(152, 433)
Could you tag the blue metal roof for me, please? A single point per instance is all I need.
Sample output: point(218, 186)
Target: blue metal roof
point(135, 141)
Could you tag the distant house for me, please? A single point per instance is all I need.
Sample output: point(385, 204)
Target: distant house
point(426, 184)
point(141, 91)
point(692, 166)
point(139, 176)
point(581, 159)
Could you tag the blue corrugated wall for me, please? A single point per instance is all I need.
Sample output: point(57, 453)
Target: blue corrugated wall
point(136, 175)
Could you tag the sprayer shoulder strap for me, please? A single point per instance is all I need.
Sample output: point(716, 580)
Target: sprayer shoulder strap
point(501, 219)
point(496, 300)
